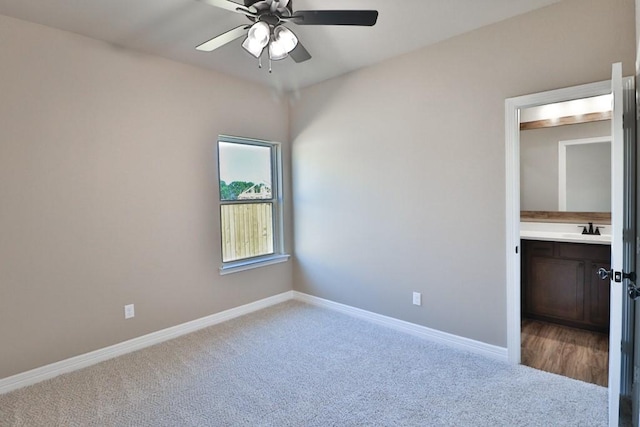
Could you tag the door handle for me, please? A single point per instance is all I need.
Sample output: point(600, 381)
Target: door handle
point(618, 276)
point(604, 274)
point(632, 290)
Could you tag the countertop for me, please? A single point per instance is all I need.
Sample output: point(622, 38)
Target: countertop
point(562, 232)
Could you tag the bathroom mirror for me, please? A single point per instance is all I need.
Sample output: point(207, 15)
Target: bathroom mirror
point(584, 175)
point(566, 167)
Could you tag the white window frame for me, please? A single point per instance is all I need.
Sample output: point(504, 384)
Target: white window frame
point(277, 203)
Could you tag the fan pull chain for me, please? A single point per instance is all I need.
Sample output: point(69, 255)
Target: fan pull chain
point(260, 62)
point(269, 64)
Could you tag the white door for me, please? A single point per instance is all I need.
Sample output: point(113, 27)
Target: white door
point(623, 236)
point(635, 396)
point(617, 212)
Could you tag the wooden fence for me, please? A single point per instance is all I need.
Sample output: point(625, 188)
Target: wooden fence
point(247, 230)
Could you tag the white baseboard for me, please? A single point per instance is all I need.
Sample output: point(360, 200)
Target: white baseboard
point(451, 340)
point(82, 361)
point(64, 366)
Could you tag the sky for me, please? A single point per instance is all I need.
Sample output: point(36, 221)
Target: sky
point(240, 162)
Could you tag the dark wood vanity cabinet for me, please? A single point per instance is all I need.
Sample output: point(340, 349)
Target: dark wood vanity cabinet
point(560, 284)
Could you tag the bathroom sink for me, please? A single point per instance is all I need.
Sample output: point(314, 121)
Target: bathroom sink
point(587, 237)
point(562, 233)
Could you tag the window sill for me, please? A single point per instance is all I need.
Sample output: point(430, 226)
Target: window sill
point(234, 267)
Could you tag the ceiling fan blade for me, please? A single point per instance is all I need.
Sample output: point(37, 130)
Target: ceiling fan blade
point(228, 5)
point(223, 39)
point(299, 53)
point(335, 17)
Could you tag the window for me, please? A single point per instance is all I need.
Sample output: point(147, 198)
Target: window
point(251, 222)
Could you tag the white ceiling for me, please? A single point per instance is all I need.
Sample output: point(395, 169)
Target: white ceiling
point(172, 29)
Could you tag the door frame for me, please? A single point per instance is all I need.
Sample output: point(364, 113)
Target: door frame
point(512, 141)
point(513, 258)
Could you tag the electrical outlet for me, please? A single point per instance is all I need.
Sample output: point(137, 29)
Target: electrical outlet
point(129, 311)
point(417, 298)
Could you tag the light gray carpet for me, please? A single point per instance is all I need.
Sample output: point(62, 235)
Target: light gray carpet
point(299, 365)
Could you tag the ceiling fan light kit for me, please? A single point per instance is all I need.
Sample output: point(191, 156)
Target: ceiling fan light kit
point(283, 42)
point(280, 40)
point(267, 29)
point(257, 38)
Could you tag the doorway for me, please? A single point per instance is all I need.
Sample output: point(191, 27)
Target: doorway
point(623, 240)
point(565, 181)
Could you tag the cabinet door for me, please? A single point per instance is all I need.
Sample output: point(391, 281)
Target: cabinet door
point(599, 296)
point(556, 288)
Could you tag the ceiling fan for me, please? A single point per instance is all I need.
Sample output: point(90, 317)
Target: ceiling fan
point(267, 29)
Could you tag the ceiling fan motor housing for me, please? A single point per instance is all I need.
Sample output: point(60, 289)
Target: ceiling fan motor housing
point(263, 6)
point(268, 18)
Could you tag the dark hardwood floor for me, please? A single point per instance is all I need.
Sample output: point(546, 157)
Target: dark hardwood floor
point(574, 353)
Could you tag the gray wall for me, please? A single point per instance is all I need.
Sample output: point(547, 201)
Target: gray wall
point(539, 161)
point(399, 169)
point(108, 193)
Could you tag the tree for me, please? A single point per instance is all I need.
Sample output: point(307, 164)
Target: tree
point(233, 190)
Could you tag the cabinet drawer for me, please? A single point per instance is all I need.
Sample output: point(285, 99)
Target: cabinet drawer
point(584, 251)
point(538, 248)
